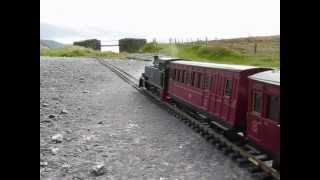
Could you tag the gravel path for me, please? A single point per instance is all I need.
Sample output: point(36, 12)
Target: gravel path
point(104, 120)
point(134, 67)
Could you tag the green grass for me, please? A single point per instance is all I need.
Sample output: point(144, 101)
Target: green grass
point(150, 48)
point(230, 51)
point(76, 51)
point(219, 54)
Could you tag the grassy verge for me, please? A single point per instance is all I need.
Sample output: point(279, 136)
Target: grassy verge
point(76, 51)
point(220, 53)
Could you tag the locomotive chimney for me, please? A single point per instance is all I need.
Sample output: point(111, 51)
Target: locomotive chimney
point(156, 61)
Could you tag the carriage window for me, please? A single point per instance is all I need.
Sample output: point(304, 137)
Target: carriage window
point(192, 78)
point(178, 77)
point(207, 82)
point(199, 80)
point(212, 83)
point(273, 112)
point(188, 78)
point(228, 88)
point(177, 72)
point(256, 102)
point(173, 72)
point(183, 76)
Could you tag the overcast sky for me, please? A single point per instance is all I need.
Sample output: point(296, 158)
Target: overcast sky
point(168, 18)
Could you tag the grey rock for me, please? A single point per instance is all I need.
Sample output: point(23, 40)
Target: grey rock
point(69, 131)
point(66, 167)
point(78, 150)
point(52, 116)
point(45, 105)
point(64, 111)
point(43, 163)
point(58, 138)
point(45, 121)
point(98, 169)
point(54, 151)
point(68, 139)
point(85, 91)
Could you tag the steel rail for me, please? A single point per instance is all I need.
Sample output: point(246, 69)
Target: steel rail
point(205, 130)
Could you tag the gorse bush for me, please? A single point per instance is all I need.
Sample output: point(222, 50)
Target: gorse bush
point(219, 51)
point(151, 48)
point(212, 51)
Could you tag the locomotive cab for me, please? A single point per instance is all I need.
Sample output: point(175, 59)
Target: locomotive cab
point(155, 77)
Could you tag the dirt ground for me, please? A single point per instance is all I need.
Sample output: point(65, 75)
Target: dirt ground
point(101, 119)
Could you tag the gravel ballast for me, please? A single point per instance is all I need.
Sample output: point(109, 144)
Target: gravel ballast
point(113, 132)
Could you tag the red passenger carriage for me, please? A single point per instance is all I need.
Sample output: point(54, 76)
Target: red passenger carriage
point(263, 117)
point(235, 98)
point(217, 90)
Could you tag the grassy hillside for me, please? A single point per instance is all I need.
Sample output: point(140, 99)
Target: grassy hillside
point(230, 51)
point(76, 51)
point(50, 44)
point(268, 46)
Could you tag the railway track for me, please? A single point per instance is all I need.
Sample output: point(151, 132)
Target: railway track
point(258, 163)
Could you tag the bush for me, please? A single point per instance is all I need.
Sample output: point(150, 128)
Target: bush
point(151, 48)
point(76, 51)
point(217, 51)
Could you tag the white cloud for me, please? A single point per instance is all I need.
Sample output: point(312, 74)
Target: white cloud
point(168, 18)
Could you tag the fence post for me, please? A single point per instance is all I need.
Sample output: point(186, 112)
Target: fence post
point(255, 48)
point(206, 41)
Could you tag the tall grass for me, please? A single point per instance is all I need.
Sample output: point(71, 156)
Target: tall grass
point(77, 51)
point(219, 54)
point(256, 51)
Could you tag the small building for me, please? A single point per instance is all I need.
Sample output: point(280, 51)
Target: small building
point(90, 43)
point(131, 45)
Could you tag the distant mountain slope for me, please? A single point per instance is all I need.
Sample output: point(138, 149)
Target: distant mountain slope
point(265, 45)
point(50, 44)
point(66, 34)
point(48, 31)
point(275, 38)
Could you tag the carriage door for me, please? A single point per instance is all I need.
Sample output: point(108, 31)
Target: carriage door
point(227, 95)
point(270, 126)
point(254, 117)
point(206, 91)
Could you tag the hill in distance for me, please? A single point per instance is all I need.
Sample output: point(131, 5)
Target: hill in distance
point(265, 45)
point(50, 44)
point(48, 31)
point(261, 51)
point(69, 35)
